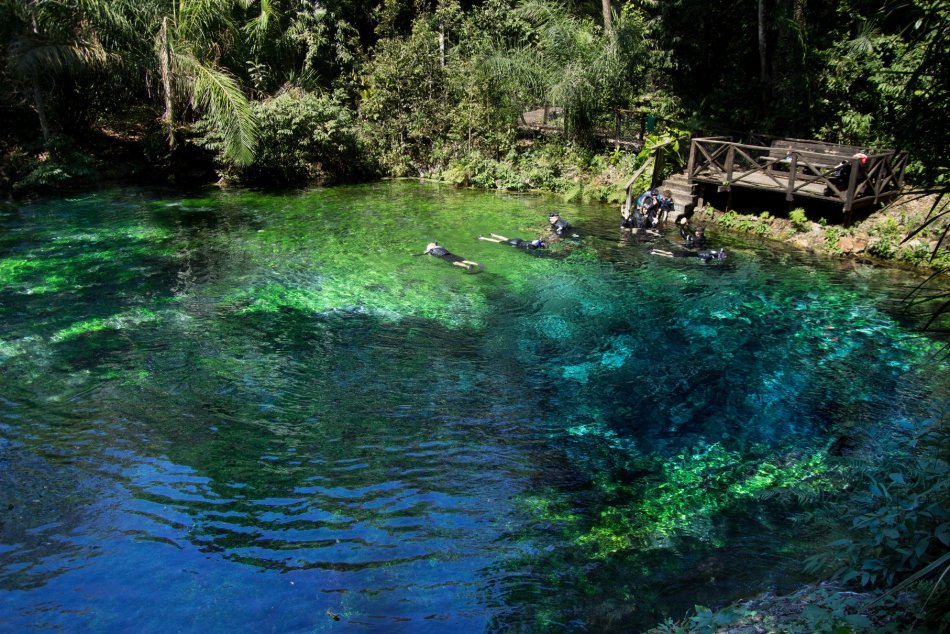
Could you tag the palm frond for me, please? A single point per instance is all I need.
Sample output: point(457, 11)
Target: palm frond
point(518, 70)
point(217, 94)
point(259, 28)
point(863, 42)
point(35, 57)
point(204, 20)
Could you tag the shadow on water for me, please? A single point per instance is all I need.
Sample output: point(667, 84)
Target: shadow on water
point(261, 407)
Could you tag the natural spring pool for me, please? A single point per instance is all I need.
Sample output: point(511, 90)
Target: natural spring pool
point(237, 411)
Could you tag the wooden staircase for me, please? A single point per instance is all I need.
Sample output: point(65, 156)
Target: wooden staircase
point(684, 199)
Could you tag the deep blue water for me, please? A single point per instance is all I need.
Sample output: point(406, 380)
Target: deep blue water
point(237, 411)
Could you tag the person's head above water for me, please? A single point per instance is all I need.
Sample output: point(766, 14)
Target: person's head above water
point(431, 245)
point(700, 230)
point(538, 244)
point(553, 217)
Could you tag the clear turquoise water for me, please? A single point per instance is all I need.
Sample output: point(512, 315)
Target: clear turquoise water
point(236, 411)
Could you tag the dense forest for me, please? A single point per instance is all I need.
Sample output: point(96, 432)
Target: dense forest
point(287, 91)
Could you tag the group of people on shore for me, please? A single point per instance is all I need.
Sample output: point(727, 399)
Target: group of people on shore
point(651, 208)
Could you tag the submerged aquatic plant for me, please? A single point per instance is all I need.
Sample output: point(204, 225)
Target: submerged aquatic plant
point(685, 491)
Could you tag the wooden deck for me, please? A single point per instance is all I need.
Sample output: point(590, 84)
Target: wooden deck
point(627, 132)
point(806, 187)
point(800, 169)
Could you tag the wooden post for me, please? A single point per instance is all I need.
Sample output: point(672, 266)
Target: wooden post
point(692, 161)
point(792, 171)
point(852, 185)
point(643, 126)
point(616, 128)
point(730, 160)
point(658, 163)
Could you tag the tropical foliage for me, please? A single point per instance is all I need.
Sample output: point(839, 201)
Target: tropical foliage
point(279, 92)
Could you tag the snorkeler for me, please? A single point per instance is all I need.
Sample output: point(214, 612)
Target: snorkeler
point(695, 237)
point(705, 255)
point(518, 243)
point(442, 253)
point(560, 226)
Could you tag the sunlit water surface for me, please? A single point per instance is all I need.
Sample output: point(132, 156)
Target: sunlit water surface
point(237, 411)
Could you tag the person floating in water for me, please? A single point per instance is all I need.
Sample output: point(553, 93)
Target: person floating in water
point(442, 253)
point(518, 243)
point(705, 255)
point(560, 226)
point(695, 237)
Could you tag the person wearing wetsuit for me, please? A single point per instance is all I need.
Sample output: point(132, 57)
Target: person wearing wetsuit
point(665, 203)
point(442, 253)
point(643, 219)
point(559, 226)
point(518, 243)
point(705, 255)
point(695, 238)
point(627, 219)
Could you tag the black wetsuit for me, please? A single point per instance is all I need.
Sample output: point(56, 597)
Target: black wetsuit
point(562, 227)
point(443, 254)
point(518, 243)
point(695, 242)
point(643, 221)
point(664, 204)
point(705, 255)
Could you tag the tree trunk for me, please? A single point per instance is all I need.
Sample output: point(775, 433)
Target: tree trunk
point(165, 70)
point(40, 104)
point(442, 45)
point(763, 54)
point(608, 16)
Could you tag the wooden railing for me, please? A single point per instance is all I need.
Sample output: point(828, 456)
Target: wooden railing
point(799, 168)
point(624, 129)
point(656, 160)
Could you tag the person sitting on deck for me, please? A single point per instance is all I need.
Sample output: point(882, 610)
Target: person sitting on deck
point(518, 243)
point(560, 226)
point(840, 176)
point(442, 253)
point(705, 255)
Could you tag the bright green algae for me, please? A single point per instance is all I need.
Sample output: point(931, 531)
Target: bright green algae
point(661, 412)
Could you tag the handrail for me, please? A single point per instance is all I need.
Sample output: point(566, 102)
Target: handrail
point(655, 152)
point(728, 163)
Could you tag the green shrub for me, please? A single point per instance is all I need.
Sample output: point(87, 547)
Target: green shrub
point(303, 137)
point(57, 164)
point(403, 106)
point(883, 248)
point(798, 219)
point(832, 236)
point(758, 225)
